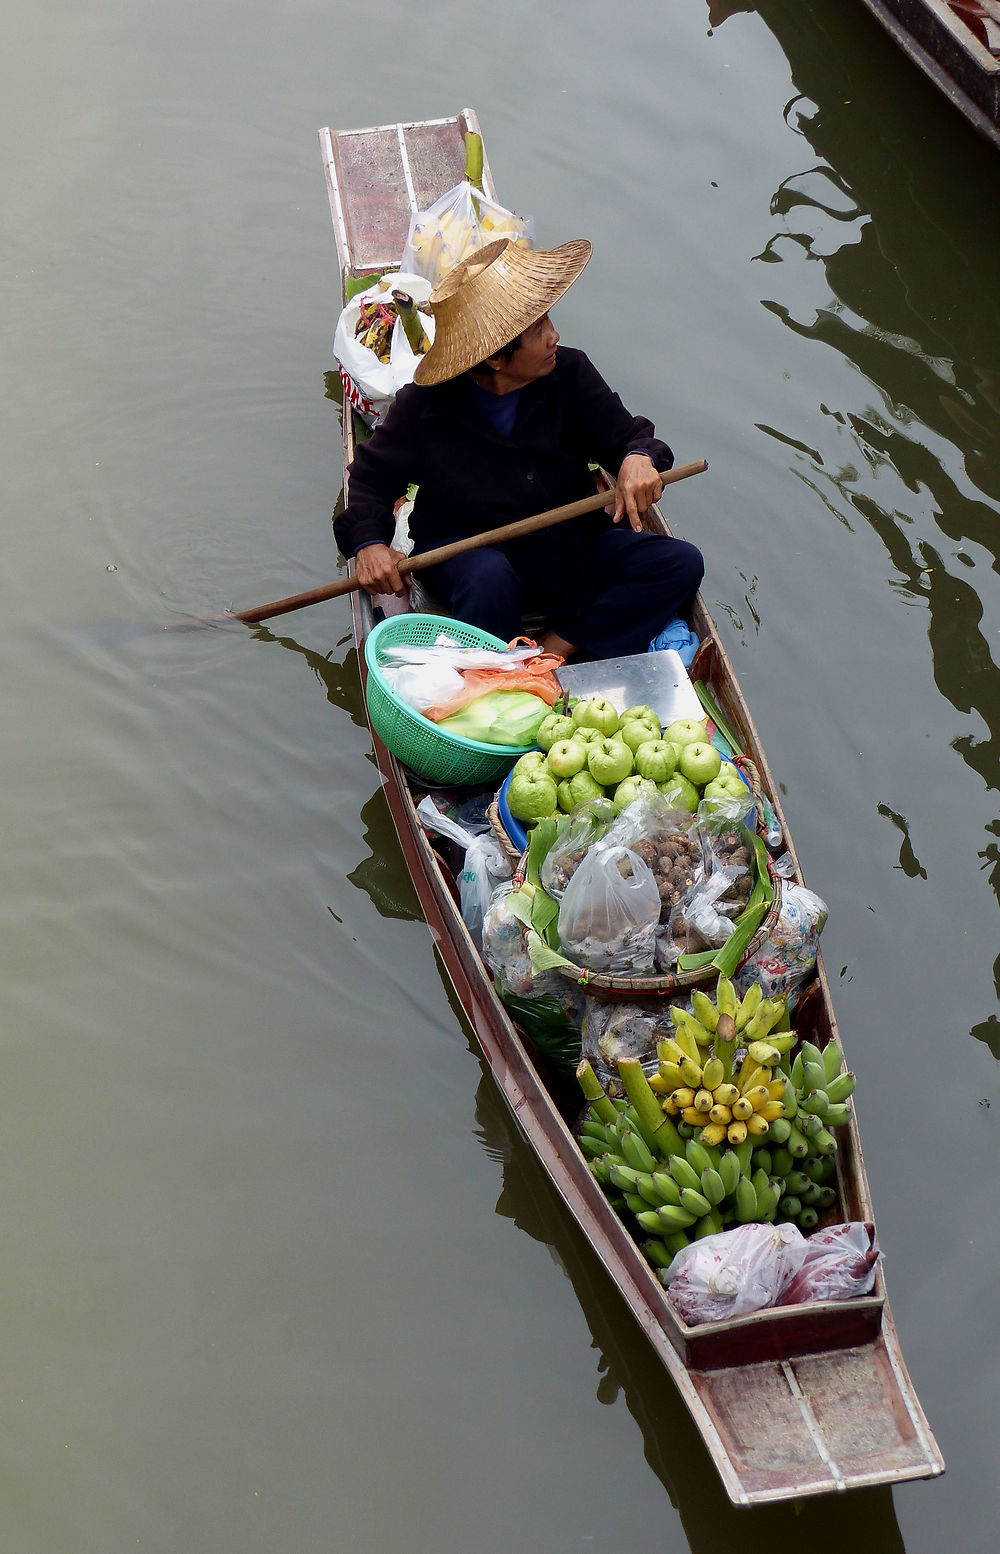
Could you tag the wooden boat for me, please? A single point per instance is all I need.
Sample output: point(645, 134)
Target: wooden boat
point(956, 43)
point(797, 1401)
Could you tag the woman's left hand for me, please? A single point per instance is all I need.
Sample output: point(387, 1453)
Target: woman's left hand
point(637, 488)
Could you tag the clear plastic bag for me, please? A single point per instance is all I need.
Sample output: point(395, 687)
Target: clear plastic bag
point(483, 870)
point(839, 1264)
point(622, 1030)
point(788, 955)
point(735, 1272)
point(499, 718)
point(458, 223)
point(609, 911)
point(588, 823)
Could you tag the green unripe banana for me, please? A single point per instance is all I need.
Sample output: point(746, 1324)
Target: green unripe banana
point(656, 1252)
point(646, 1188)
point(837, 1116)
point(808, 1220)
point(827, 1198)
point(695, 1202)
point(767, 1202)
point(708, 1225)
point(650, 1221)
point(698, 1156)
point(763, 1161)
point(796, 1181)
point(841, 1088)
point(760, 1180)
point(815, 1104)
point(781, 1160)
point(823, 1142)
point(790, 1207)
point(729, 1170)
point(833, 1059)
point(675, 1242)
point(797, 1144)
point(667, 1188)
point(781, 1129)
point(635, 1204)
point(675, 1219)
point(593, 1128)
point(746, 1201)
point(594, 1149)
point(637, 1151)
point(683, 1173)
point(713, 1186)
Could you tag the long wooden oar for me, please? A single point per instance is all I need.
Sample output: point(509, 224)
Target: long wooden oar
point(432, 558)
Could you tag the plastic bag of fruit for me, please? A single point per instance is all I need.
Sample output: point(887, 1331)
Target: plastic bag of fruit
point(588, 823)
point(371, 381)
point(839, 1264)
point(788, 955)
point(621, 1030)
point(499, 718)
point(455, 226)
point(609, 911)
point(735, 1272)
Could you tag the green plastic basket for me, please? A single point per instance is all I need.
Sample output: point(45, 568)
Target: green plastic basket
point(421, 745)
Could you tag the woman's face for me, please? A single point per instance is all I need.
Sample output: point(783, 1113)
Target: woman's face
point(534, 358)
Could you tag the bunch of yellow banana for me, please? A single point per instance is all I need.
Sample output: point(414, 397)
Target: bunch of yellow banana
point(699, 1076)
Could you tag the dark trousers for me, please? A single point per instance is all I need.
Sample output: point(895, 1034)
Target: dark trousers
point(607, 591)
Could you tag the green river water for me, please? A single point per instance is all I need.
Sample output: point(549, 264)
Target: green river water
point(279, 1275)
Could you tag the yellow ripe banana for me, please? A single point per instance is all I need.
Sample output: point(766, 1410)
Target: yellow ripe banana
point(669, 1051)
point(685, 1039)
point(703, 1101)
point(721, 1114)
point(757, 1125)
point(726, 1094)
point(763, 1053)
point(725, 997)
point(691, 1073)
point(757, 1096)
point(671, 1072)
point(758, 1075)
point(660, 1085)
point(742, 1109)
point(694, 1028)
point(749, 1004)
point(713, 1133)
point(696, 1118)
point(670, 1106)
point(713, 1074)
point(704, 1010)
point(772, 1111)
point(776, 1088)
point(684, 1096)
point(736, 1132)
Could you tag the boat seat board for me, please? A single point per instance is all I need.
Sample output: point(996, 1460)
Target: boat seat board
point(378, 177)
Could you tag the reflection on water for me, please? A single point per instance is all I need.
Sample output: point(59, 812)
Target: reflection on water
point(908, 244)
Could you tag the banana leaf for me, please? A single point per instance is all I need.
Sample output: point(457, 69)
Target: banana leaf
point(548, 1027)
point(727, 958)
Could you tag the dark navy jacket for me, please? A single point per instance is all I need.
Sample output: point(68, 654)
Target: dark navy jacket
point(470, 476)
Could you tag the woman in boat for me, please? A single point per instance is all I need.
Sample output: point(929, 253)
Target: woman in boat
point(502, 422)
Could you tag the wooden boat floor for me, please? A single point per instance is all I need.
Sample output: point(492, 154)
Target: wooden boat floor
point(821, 1423)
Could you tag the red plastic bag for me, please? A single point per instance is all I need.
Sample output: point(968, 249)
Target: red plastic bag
point(536, 675)
point(840, 1262)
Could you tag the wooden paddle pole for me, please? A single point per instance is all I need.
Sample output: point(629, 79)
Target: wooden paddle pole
point(431, 558)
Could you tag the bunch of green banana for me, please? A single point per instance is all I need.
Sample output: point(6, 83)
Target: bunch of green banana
point(699, 1077)
point(805, 1187)
point(816, 1099)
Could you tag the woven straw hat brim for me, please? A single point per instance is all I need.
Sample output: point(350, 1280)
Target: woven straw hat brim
point(488, 299)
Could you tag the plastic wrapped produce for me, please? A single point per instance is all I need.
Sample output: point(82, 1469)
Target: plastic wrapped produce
point(735, 1272)
point(623, 1030)
point(609, 912)
point(839, 1263)
point(788, 955)
point(588, 823)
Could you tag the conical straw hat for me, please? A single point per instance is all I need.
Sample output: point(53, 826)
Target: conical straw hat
point(488, 299)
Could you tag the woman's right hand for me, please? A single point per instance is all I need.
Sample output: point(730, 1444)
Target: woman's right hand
point(377, 570)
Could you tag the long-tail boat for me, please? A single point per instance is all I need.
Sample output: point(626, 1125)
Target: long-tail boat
point(795, 1401)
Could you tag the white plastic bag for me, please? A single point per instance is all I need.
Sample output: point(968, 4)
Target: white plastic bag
point(484, 869)
point(735, 1272)
point(609, 911)
point(422, 685)
point(369, 384)
point(456, 225)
